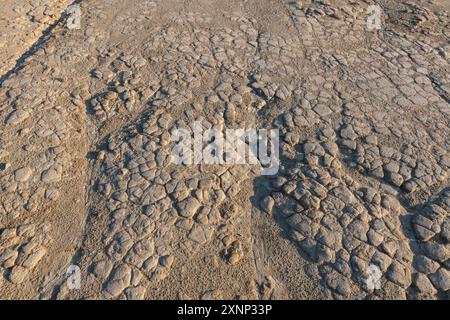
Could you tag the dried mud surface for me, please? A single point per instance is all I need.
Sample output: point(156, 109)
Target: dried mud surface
point(86, 177)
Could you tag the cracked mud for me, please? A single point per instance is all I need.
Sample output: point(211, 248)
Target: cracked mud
point(86, 177)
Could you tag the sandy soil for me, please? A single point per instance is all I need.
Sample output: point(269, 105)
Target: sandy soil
point(92, 205)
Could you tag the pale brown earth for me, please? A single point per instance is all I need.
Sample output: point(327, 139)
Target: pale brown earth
point(86, 177)
point(22, 23)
